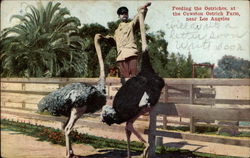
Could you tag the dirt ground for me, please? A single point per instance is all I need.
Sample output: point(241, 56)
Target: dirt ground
point(16, 145)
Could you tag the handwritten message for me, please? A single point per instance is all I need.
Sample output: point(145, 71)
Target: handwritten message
point(206, 29)
point(190, 35)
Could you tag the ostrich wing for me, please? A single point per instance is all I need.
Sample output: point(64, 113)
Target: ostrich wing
point(62, 100)
point(127, 100)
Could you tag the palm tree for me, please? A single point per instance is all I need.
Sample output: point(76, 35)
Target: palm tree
point(45, 43)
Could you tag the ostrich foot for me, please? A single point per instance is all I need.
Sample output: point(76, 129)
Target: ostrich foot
point(73, 156)
point(70, 154)
point(145, 151)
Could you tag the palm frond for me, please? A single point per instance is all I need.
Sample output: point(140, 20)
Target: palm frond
point(45, 43)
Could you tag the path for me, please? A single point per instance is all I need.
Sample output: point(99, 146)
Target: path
point(16, 145)
point(94, 127)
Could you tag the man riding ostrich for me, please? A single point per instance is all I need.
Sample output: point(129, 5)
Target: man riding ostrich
point(137, 96)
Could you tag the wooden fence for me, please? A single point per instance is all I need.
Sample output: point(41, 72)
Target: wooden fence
point(203, 101)
point(25, 93)
point(200, 100)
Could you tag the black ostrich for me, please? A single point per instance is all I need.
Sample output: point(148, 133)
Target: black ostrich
point(75, 99)
point(136, 97)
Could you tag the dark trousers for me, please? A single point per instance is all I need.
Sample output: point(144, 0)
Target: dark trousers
point(128, 67)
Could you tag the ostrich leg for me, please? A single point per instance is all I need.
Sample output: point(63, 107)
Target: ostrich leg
point(130, 127)
point(75, 114)
point(128, 134)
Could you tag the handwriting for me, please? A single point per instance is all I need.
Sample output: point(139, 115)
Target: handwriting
point(217, 36)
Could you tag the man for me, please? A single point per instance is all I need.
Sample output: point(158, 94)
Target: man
point(124, 37)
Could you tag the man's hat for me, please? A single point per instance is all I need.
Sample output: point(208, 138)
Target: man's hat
point(122, 10)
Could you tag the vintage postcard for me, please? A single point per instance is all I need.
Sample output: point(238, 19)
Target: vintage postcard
point(125, 78)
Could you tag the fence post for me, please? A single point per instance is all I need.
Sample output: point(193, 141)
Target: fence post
point(192, 126)
point(23, 105)
point(166, 93)
point(23, 87)
point(151, 133)
point(165, 121)
point(159, 141)
point(191, 98)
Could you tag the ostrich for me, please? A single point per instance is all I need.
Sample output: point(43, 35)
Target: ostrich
point(75, 99)
point(136, 97)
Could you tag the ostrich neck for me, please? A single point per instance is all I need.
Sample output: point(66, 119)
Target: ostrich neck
point(143, 32)
point(146, 66)
point(101, 82)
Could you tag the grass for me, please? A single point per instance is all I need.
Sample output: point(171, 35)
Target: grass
point(57, 137)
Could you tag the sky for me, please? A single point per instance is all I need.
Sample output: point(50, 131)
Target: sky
point(207, 30)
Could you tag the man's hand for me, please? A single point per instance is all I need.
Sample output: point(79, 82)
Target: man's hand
point(145, 7)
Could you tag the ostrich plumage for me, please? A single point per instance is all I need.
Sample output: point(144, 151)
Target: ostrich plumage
point(141, 91)
point(76, 99)
point(74, 95)
point(135, 98)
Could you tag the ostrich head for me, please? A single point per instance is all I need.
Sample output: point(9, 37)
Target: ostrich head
point(108, 115)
